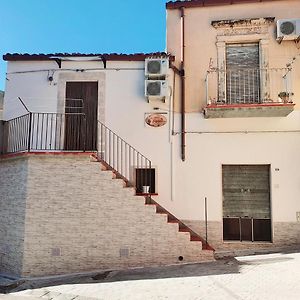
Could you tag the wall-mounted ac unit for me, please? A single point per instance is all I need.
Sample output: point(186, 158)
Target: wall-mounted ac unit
point(156, 67)
point(156, 88)
point(288, 29)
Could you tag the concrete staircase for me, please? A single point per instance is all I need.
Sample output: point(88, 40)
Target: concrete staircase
point(149, 201)
point(174, 242)
point(78, 216)
point(182, 227)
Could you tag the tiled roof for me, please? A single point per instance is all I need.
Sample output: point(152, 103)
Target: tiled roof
point(105, 56)
point(201, 3)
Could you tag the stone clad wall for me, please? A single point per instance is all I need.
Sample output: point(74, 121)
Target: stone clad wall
point(62, 214)
point(285, 235)
point(80, 219)
point(13, 179)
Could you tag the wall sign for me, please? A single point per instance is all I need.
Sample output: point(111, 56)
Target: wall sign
point(156, 120)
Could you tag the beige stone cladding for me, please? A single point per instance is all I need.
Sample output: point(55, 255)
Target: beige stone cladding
point(285, 235)
point(13, 179)
point(80, 219)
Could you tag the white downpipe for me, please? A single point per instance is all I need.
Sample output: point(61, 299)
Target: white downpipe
point(171, 137)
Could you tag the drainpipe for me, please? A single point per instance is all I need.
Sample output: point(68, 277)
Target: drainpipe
point(182, 75)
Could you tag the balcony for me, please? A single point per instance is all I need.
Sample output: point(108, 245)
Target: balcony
point(240, 93)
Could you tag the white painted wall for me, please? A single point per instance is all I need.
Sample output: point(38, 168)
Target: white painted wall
point(200, 176)
point(125, 105)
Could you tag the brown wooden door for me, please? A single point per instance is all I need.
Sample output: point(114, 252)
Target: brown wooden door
point(81, 108)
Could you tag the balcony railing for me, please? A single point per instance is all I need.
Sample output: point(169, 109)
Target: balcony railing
point(249, 86)
point(52, 132)
point(45, 132)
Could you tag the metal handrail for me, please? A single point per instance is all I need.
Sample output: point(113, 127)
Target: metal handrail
point(44, 132)
point(248, 85)
point(36, 131)
point(125, 160)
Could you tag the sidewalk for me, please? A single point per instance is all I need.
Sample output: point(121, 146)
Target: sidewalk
point(270, 276)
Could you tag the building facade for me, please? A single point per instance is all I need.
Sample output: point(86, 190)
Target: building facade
point(241, 134)
point(208, 133)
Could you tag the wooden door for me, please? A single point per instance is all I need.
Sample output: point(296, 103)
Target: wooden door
point(81, 108)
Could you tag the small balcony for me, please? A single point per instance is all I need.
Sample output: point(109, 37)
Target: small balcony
point(240, 93)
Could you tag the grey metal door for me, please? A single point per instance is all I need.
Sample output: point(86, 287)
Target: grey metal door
point(246, 202)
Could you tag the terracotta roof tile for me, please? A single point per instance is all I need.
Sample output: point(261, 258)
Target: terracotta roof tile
point(202, 3)
point(105, 56)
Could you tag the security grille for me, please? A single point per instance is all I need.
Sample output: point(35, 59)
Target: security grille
point(242, 73)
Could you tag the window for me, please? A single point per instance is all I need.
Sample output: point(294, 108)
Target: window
point(243, 45)
point(242, 73)
point(145, 180)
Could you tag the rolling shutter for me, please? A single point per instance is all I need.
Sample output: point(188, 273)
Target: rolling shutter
point(246, 203)
point(246, 191)
point(242, 73)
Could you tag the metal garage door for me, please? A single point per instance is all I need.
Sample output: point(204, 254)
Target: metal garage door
point(246, 202)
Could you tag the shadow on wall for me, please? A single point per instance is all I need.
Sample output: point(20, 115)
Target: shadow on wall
point(1, 104)
point(1, 118)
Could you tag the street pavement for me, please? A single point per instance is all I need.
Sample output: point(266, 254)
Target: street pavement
point(270, 276)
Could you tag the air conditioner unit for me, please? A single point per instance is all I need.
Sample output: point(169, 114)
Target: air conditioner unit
point(156, 67)
point(156, 88)
point(288, 29)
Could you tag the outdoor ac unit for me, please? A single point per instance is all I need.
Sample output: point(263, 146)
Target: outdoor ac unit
point(156, 88)
point(288, 29)
point(156, 67)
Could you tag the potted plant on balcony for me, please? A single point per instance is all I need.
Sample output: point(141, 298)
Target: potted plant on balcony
point(285, 97)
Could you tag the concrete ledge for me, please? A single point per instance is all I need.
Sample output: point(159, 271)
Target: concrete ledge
point(248, 110)
point(43, 153)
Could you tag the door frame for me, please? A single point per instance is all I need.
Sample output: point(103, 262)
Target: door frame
point(99, 77)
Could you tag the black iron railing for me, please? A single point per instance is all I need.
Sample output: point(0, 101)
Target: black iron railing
point(69, 132)
point(249, 86)
point(16, 134)
point(126, 160)
point(45, 132)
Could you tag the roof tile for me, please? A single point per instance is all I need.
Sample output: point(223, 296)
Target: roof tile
point(202, 3)
point(105, 56)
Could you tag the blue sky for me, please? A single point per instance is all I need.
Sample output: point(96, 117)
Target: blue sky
point(88, 26)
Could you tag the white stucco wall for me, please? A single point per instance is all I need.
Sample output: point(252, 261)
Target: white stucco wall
point(200, 175)
point(125, 104)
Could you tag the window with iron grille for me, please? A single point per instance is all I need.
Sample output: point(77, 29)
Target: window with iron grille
point(242, 73)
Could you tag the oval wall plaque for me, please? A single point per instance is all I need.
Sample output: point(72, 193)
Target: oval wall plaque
point(156, 120)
